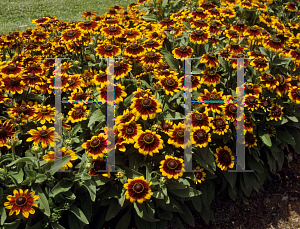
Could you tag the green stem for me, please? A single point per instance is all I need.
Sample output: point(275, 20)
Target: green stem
point(13, 152)
point(38, 162)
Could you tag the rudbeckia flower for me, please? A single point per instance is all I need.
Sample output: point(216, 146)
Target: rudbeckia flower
point(135, 50)
point(145, 107)
point(294, 94)
point(276, 113)
point(119, 93)
point(182, 52)
point(96, 147)
point(3, 97)
point(88, 26)
point(88, 14)
point(251, 88)
point(201, 136)
point(251, 102)
point(166, 126)
point(107, 50)
point(275, 44)
point(128, 131)
point(138, 189)
point(284, 84)
point(266, 104)
point(170, 85)
point(199, 13)
point(27, 110)
point(172, 167)
point(228, 12)
point(6, 132)
point(148, 143)
point(100, 164)
point(199, 175)
point(72, 35)
point(269, 81)
point(210, 78)
point(21, 202)
point(250, 140)
point(152, 58)
point(224, 158)
point(291, 7)
point(77, 113)
point(248, 124)
point(52, 156)
point(209, 96)
point(43, 114)
point(112, 31)
point(44, 135)
point(219, 125)
point(295, 55)
point(126, 118)
point(199, 36)
point(230, 111)
point(210, 60)
point(201, 119)
point(177, 135)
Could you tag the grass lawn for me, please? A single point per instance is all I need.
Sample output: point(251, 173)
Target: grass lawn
point(18, 14)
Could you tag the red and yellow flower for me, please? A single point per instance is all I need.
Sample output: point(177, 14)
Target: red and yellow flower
point(96, 147)
point(172, 167)
point(138, 189)
point(52, 156)
point(148, 142)
point(201, 136)
point(224, 158)
point(44, 135)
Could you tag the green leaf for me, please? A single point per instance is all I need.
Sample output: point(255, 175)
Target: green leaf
point(232, 192)
point(86, 205)
point(56, 225)
point(74, 222)
point(197, 203)
point(40, 178)
point(178, 184)
point(96, 116)
point(285, 136)
point(292, 118)
point(3, 214)
point(186, 215)
point(150, 17)
point(230, 177)
point(271, 161)
point(79, 214)
point(172, 62)
point(113, 210)
point(74, 130)
point(140, 223)
point(164, 4)
point(124, 221)
point(266, 139)
point(23, 159)
point(142, 212)
point(163, 214)
point(255, 165)
point(43, 201)
point(158, 195)
point(91, 187)
point(188, 192)
point(13, 225)
point(62, 186)
point(127, 101)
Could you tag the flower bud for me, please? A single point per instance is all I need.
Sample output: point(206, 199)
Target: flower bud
point(76, 62)
point(172, 32)
point(68, 141)
point(88, 166)
point(163, 180)
point(35, 148)
point(120, 174)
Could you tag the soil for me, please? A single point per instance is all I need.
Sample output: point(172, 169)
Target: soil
point(277, 207)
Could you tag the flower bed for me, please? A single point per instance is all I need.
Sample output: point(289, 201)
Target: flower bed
point(147, 185)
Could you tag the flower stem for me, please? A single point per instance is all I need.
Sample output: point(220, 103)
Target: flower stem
point(13, 152)
point(38, 162)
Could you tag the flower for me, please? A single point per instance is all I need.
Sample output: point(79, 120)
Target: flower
point(145, 107)
point(294, 94)
point(118, 96)
point(199, 36)
point(230, 111)
point(45, 113)
point(96, 147)
point(219, 125)
point(201, 136)
point(77, 113)
point(107, 50)
point(170, 84)
point(209, 97)
point(169, 166)
point(251, 102)
point(260, 64)
point(166, 126)
point(21, 201)
point(100, 164)
point(201, 119)
point(182, 52)
point(14, 83)
point(126, 118)
point(148, 142)
point(88, 14)
point(199, 175)
point(128, 131)
point(6, 132)
point(269, 81)
point(284, 84)
point(210, 60)
point(52, 156)
point(135, 50)
point(250, 140)
point(177, 135)
point(224, 158)
point(276, 112)
point(137, 190)
point(44, 135)
point(210, 78)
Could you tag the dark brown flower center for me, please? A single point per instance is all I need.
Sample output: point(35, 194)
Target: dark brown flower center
point(151, 55)
point(211, 55)
point(39, 33)
point(108, 47)
point(261, 60)
point(148, 138)
point(41, 19)
point(134, 46)
point(228, 11)
point(21, 201)
point(250, 87)
point(226, 157)
point(270, 77)
point(199, 32)
point(198, 175)
point(201, 135)
point(281, 79)
point(44, 111)
point(180, 133)
point(24, 109)
point(170, 82)
point(3, 132)
point(112, 29)
point(214, 96)
point(95, 142)
point(146, 102)
point(293, 4)
point(166, 19)
point(220, 123)
point(129, 130)
point(154, 34)
point(183, 48)
point(172, 164)
point(276, 40)
point(166, 126)
point(71, 82)
point(78, 112)
point(150, 42)
point(80, 95)
point(211, 72)
point(276, 110)
point(87, 23)
point(251, 100)
point(266, 104)
point(112, 11)
point(71, 33)
point(199, 116)
point(233, 108)
point(138, 188)
point(14, 82)
point(129, 32)
point(298, 92)
point(11, 67)
point(59, 154)
point(43, 133)
point(32, 67)
point(149, 27)
point(199, 10)
point(148, 69)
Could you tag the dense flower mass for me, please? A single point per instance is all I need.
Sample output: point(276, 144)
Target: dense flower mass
point(108, 96)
